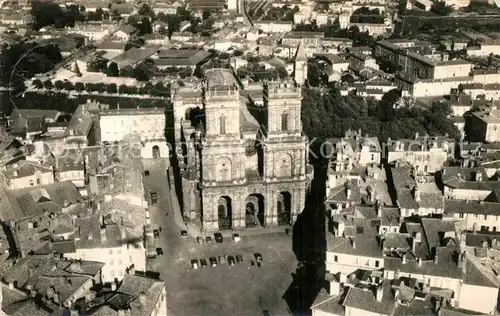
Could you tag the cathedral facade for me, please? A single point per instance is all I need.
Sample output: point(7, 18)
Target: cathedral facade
point(246, 165)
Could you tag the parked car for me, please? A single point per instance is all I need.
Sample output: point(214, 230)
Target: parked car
point(208, 240)
point(213, 261)
point(236, 237)
point(156, 232)
point(194, 264)
point(184, 233)
point(146, 173)
point(258, 257)
point(154, 198)
point(159, 251)
point(199, 240)
point(239, 258)
point(203, 263)
point(218, 238)
point(222, 259)
point(231, 261)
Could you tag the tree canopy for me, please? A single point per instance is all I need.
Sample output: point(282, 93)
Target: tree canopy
point(328, 114)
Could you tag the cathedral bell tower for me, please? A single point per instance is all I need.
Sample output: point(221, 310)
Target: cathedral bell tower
point(300, 66)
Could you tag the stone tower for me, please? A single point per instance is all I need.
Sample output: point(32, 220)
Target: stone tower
point(300, 66)
point(251, 173)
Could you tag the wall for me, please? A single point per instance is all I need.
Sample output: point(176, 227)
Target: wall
point(478, 298)
point(449, 71)
point(349, 263)
point(467, 221)
point(75, 176)
point(30, 181)
point(148, 126)
point(316, 312)
point(147, 149)
point(116, 260)
point(464, 194)
point(349, 311)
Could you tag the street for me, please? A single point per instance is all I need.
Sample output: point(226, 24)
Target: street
point(241, 289)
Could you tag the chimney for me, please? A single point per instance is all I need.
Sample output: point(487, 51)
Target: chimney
point(380, 293)
point(404, 259)
point(56, 298)
point(113, 286)
point(416, 194)
point(103, 234)
point(142, 299)
point(11, 285)
point(463, 263)
point(353, 243)
point(348, 192)
point(131, 270)
point(436, 259)
point(419, 262)
point(479, 176)
point(416, 239)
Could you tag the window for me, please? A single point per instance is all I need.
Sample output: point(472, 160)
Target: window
point(284, 121)
point(335, 258)
point(485, 217)
point(377, 263)
point(494, 228)
point(461, 215)
point(483, 228)
point(373, 157)
point(38, 181)
point(494, 127)
point(222, 124)
point(32, 183)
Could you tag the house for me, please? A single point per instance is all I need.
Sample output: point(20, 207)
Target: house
point(468, 184)
point(132, 57)
point(93, 238)
point(34, 201)
point(483, 125)
point(180, 58)
point(359, 62)
point(415, 194)
point(28, 123)
point(125, 32)
point(25, 174)
point(425, 153)
point(62, 282)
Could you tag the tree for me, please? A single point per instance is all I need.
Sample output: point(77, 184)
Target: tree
point(111, 88)
point(47, 84)
point(113, 70)
point(127, 71)
point(123, 89)
point(206, 14)
point(100, 87)
point(58, 85)
point(159, 90)
point(144, 70)
point(146, 10)
point(282, 73)
point(37, 83)
point(90, 87)
point(145, 26)
point(68, 86)
point(115, 16)
point(97, 65)
point(79, 86)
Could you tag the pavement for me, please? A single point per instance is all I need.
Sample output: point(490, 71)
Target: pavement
point(242, 289)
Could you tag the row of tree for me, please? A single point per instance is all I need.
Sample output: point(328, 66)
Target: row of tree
point(158, 90)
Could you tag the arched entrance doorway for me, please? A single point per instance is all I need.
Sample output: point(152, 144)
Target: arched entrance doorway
point(254, 210)
point(284, 208)
point(156, 152)
point(225, 214)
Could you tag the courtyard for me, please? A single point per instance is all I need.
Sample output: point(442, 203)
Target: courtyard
point(241, 289)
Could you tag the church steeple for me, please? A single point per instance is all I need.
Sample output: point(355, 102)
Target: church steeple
point(300, 66)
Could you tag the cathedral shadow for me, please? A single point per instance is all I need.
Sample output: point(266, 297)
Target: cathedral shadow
point(309, 247)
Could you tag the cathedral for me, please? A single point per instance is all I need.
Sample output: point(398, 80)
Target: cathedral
point(242, 165)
